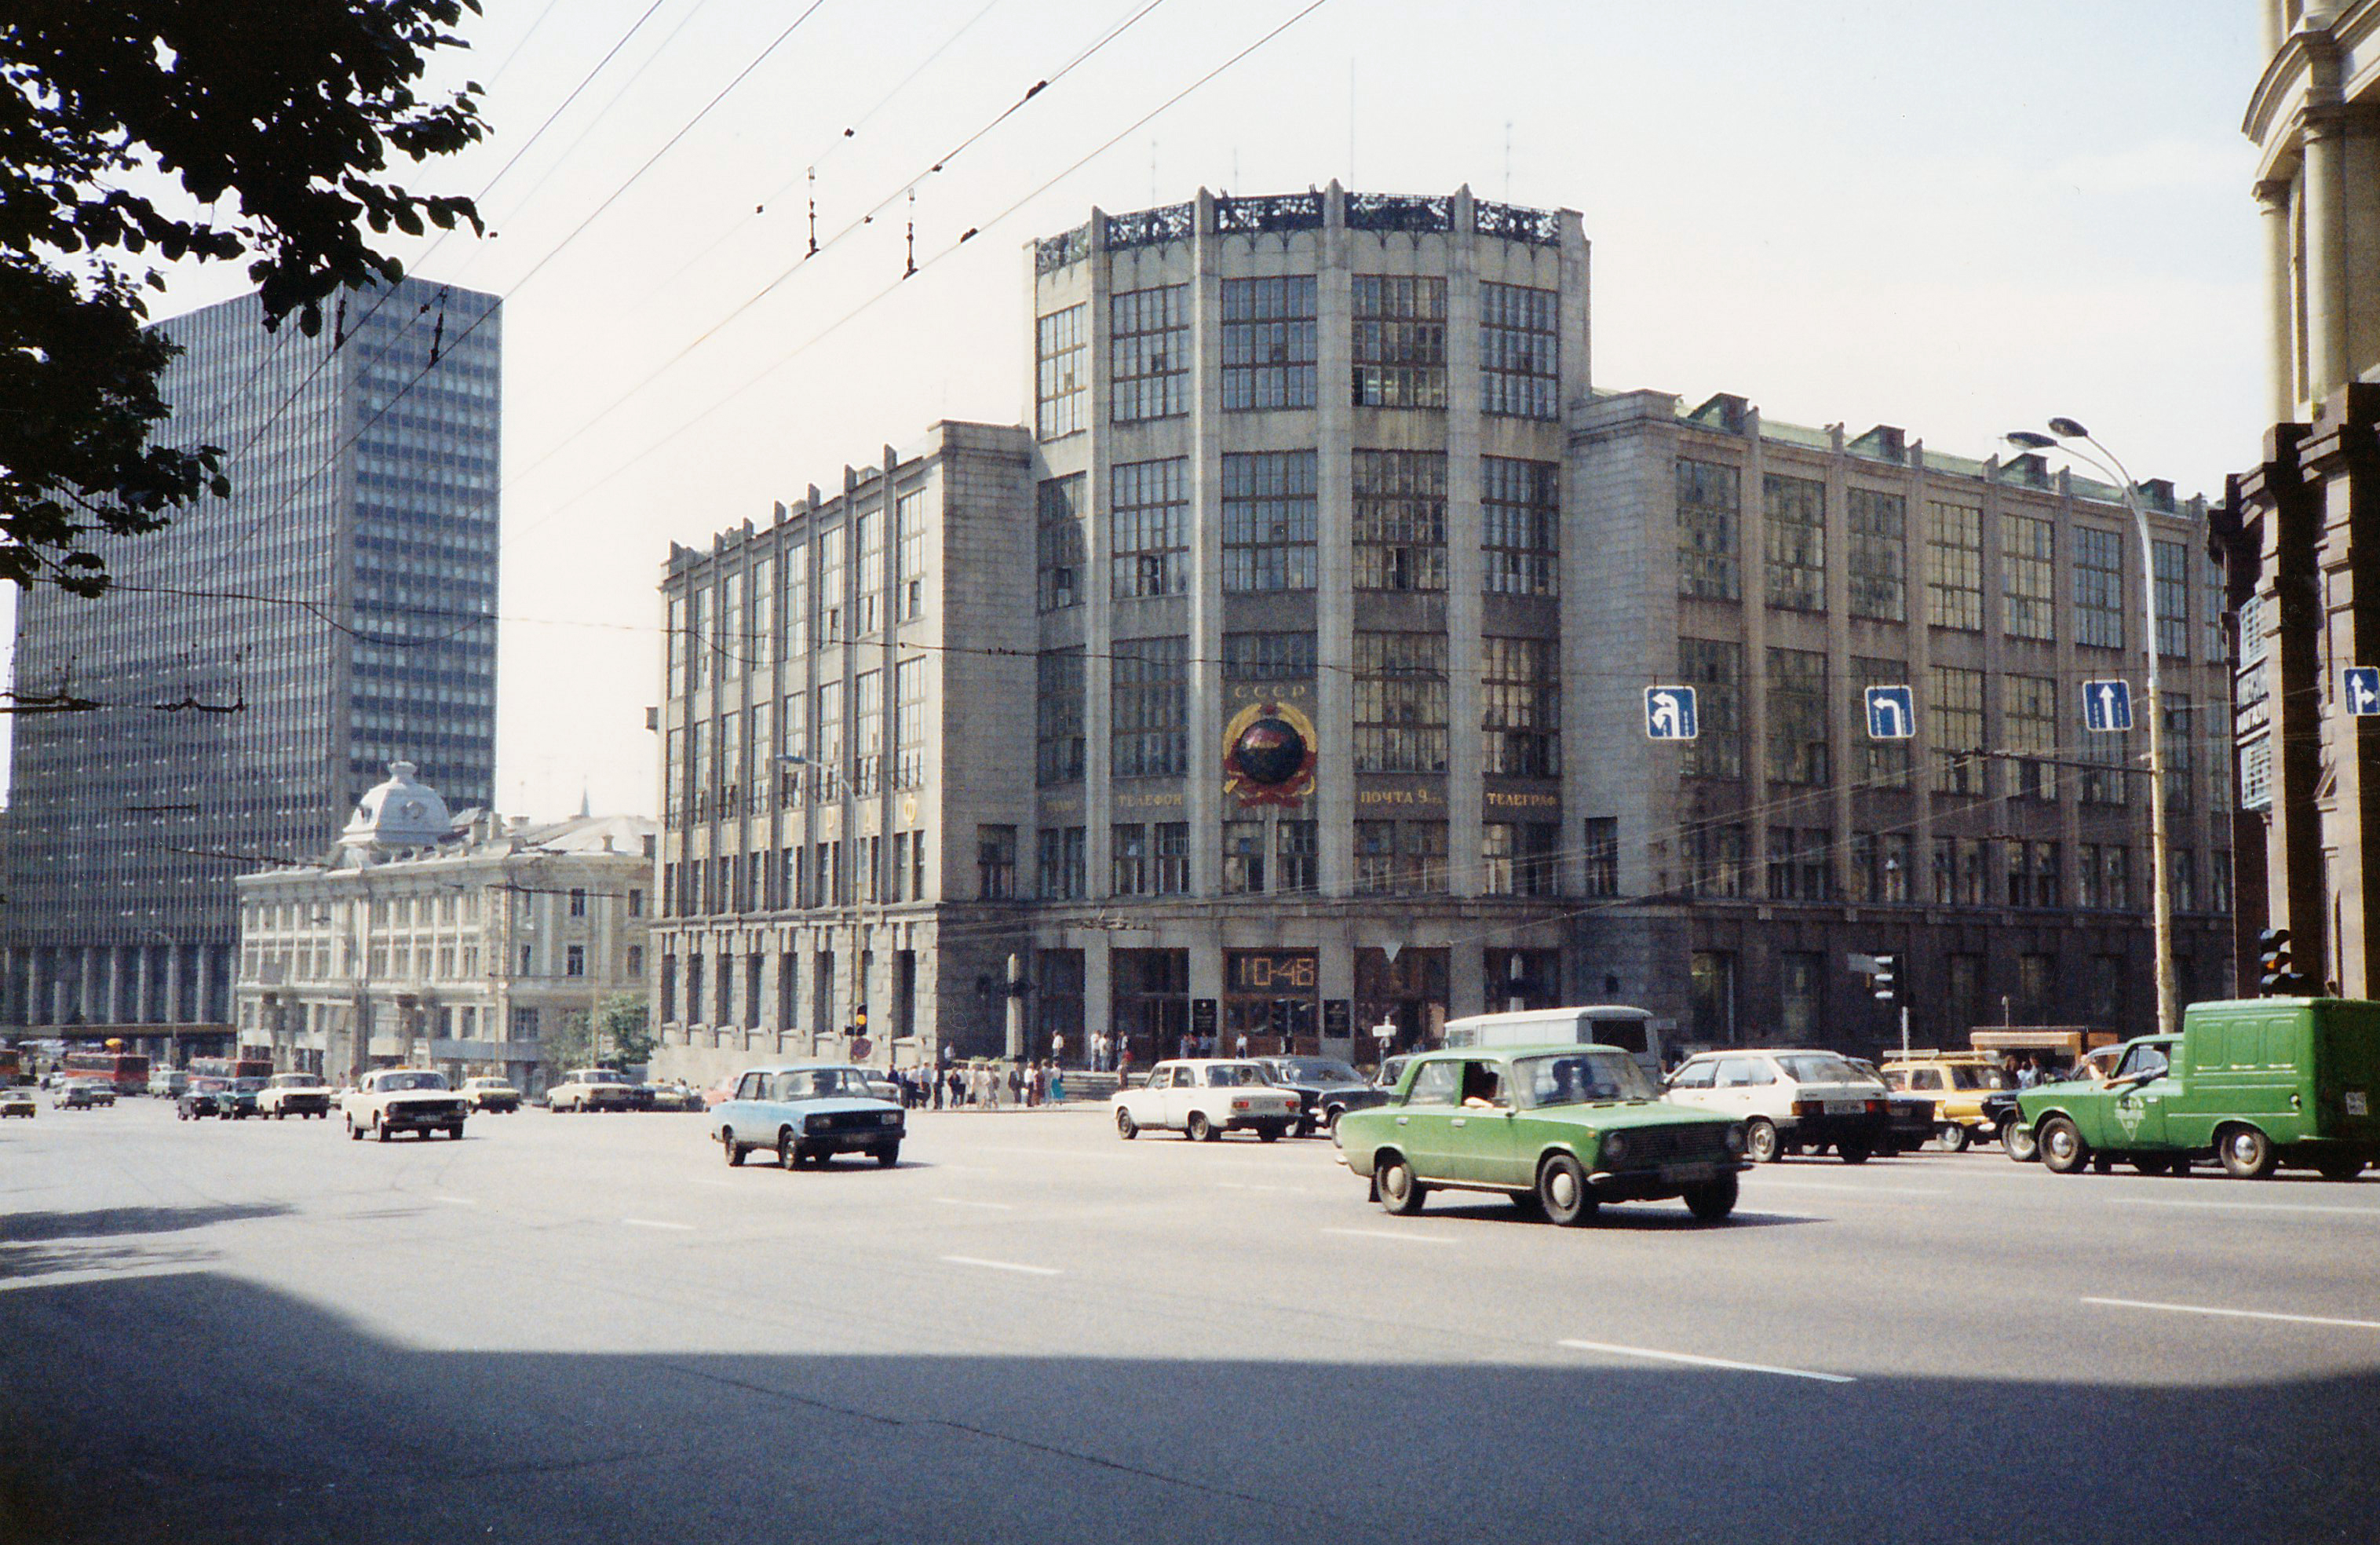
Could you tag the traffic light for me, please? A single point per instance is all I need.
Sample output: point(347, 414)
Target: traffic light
point(2275, 975)
point(1885, 965)
point(1281, 1011)
point(859, 1020)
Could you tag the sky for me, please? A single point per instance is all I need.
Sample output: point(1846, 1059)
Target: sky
point(1960, 219)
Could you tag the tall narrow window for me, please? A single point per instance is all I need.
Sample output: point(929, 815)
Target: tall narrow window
point(1878, 559)
point(1058, 717)
point(826, 767)
point(1062, 385)
point(996, 862)
point(1149, 353)
point(1269, 343)
point(869, 529)
point(1172, 840)
point(1400, 341)
point(1268, 521)
point(1520, 707)
point(1602, 855)
point(2029, 712)
point(1954, 566)
point(764, 613)
point(1400, 529)
point(1058, 545)
point(2179, 725)
point(1710, 503)
point(2029, 577)
point(1715, 670)
point(909, 725)
point(868, 732)
point(1797, 717)
point(1796, 509)
point(1243, 858)
point(909, 557)
point(834, 547)
point(734, 648)
point(1954, 729)
point(1520, 351)
point(2172, 597)
point(1400, 702)
point(1149, 527)
point(1150, 708)
point(2098, 588)
point(797, 598)
point(1299, 850)
point(1128, 844)
point(1521, 518)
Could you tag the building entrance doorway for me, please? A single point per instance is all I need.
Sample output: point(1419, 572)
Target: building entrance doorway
point(1410, 991)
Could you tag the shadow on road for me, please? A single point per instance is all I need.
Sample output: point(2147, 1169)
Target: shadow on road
point(18, 1228)
point(311, 1429)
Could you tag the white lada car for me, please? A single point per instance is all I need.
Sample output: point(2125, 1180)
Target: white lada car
point(1789, 1099)
point(1202, 1098)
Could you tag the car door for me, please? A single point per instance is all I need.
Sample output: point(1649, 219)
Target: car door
point(1741, 1087)
point(1480, 1140)
point(1422, 1122)
point(1181, 1097)
point(1691, 1085)
point(739, 1118)
point(2138, 1110)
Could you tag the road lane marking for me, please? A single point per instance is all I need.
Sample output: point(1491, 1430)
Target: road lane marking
point(1004, 1266)
point(1389, 1234)
point(2235, 1314)
point(459, 1202)
point(1657, 1356)
point(962, 1201)
point(655, 1222)
point(2372, 1212)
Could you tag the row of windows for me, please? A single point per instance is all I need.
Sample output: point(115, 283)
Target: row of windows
point(1709, 510)
point(863, 870)
point(1801, 864)
point(1269, 350)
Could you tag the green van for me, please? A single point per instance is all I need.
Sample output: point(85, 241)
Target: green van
point(2258, 1083)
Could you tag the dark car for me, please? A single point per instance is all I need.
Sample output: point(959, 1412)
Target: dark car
point(197, 1100)
point(1912, 1115)
point(237, 1099)
point(1326, 1088)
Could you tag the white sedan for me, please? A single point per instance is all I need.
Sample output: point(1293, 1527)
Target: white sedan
point(1202, 1098)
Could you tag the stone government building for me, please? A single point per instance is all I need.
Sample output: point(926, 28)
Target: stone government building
point(1284, 678)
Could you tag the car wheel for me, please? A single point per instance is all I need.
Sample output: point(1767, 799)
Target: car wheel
point(889, 1155)
point(354, 1133)
point(1269, 1134)
point(455, 1132)
point(1401, 1192)
point(1713, 1199)
point(789, 1153)
point(2017, 1140)
point(1199, 1129)
point(2335, 1167)
point(1760, 1143)
point(1126, 1128)
point(2063, 1151)
point(733, 1150)
point(1330, 1125)
point(1563, 1192)
point(2247, 1155)
point(1952, 1136)
point(1305, 1128)
point(1853, 1153)
point(382, 1129)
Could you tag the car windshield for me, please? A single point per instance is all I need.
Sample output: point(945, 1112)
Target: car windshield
point(1314, 1070)
point(247, 1086)
point(1234, 1075)
point(1579, 1079)
point(1820, 1067)
point(822, 1082)
point(396, 1082)
point(601, 1075)
point(1969, 1077)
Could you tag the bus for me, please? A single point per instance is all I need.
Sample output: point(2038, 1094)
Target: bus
point(12, 1067)
point(126, 1072)
point(228, 1069)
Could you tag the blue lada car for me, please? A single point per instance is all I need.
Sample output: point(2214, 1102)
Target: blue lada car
point(806, 1112)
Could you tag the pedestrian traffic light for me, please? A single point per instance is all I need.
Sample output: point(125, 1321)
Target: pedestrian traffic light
point(1886, 966)
point(2276, 976)
point(1281, 1009)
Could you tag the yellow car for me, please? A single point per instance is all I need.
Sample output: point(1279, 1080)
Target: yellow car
point(1956, 1082)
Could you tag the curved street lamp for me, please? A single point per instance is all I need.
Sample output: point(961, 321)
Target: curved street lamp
point(2062, 434)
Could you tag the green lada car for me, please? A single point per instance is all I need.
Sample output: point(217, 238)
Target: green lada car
point(1560, 1129)
point(2256, 1083)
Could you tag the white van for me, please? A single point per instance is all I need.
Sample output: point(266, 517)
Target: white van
point(1630, 1029)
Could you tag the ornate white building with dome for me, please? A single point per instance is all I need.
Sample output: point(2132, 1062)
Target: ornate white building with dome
point(438, 938)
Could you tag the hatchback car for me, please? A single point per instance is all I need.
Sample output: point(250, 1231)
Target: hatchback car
point(1788, 1098)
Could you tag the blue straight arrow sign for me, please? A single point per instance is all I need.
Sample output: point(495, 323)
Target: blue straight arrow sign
point(2106, 706)
point(2362, 684)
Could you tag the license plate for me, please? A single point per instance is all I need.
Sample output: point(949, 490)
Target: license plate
point(1846, 1107)
point(1687, 1175)
point(2358, 1104)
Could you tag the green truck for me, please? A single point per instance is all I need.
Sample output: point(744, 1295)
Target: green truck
point(2256, 1083)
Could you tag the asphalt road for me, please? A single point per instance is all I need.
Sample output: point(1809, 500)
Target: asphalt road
point(588, 1328)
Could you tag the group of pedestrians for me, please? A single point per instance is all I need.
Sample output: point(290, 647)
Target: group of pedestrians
point(984, 1085)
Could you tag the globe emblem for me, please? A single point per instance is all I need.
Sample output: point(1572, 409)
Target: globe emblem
point(1269, 752)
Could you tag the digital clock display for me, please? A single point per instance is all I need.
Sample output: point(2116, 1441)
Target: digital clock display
point(1272, 971)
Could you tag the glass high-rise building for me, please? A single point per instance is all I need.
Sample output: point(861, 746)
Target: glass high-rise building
point(258, 661)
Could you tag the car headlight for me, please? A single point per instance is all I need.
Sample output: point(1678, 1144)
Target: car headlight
point(1734, 1138)
point(890, 1118)
point(1615, 1147)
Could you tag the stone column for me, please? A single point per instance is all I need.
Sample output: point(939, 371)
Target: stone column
point(37, 1001)
point(2324, 184)
point(172, 1005)
point(2280, 300)
point(86, 985)
point(201, 1011)
point(1334, 600)
point(1466, 782)
point(115, 984)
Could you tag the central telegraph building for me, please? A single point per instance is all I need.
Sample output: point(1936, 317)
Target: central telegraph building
point(1279, 680)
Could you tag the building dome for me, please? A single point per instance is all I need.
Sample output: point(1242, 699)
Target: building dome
point(398, 813)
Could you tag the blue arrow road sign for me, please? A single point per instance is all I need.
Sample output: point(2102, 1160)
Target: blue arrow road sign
point(2107, 706)
point(1891, 713)
point(1670, 712)
point(2363, 684)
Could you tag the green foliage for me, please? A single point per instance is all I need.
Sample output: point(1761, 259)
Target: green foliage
point(140, 132)
point(562, 1041)
point(626, 1021)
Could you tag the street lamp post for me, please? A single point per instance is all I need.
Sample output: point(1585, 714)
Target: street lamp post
point(2061, 432)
